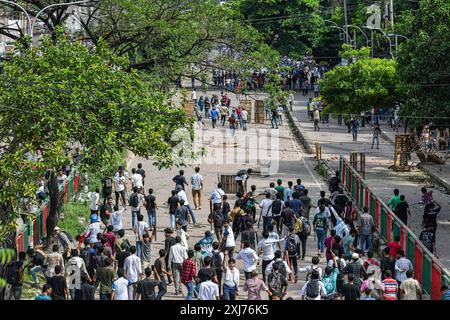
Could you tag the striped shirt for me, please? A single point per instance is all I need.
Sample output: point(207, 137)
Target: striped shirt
point(390, 287)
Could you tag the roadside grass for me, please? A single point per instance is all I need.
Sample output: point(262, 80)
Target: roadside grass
point(75, 217)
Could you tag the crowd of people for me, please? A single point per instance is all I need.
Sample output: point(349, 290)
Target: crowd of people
point(267, 230)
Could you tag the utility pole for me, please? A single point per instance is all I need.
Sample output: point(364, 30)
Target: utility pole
point(392, 22)
point(345, 21)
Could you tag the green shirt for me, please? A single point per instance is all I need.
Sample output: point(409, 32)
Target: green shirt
point(395, 200)
point(105, 276)
point(330, 281)
point(280, 190)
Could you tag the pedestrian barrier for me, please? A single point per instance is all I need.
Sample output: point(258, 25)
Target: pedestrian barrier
point(428, 270)
point(32, 232)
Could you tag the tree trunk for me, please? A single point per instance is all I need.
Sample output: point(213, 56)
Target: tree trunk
point(54, 206)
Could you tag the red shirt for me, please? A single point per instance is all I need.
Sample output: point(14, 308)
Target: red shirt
point(110, 239)
point(189, 271)
point(394, 247)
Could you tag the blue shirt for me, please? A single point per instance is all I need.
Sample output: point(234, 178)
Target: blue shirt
point(295, 205)
point(287, 193)
point(346, 244)
point(214, 114)
point(43, 297)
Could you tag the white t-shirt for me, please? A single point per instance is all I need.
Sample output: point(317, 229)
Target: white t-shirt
point(208, 290)
point(249, 256)
point(231, 278)
point(92, 230)
point(322, 291)
point(266, 207)
point(182, 195)
point(132, 268)
point(193, 95)
point(95, 197)
point(244, 115)
point(266, 246)
point(115, 219)
point(120, 287)
point(120, 183)
point(141, 226)
point(136, 179)
point(230, 238)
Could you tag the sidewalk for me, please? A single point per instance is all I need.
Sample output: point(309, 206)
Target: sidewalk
point(335, 140)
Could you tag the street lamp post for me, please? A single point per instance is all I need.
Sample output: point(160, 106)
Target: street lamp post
point(336, 26)
point(55, 5)
point(387, 36)
point(26, 13)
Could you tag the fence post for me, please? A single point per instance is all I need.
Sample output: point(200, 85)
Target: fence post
point(426, 272)
point(367, 198)
point(377, 213)
point(389, 226)
point(418, 260)
point(436, 280)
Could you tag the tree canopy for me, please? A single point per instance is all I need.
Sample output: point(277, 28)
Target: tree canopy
point(61, 93)
point(364, 84)
point(292, 27)
point(424, 62)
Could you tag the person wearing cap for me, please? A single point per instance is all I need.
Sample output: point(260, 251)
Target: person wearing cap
point(66, 244)
point(356, 269)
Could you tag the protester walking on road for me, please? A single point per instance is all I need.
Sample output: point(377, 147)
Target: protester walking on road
point(376, 136)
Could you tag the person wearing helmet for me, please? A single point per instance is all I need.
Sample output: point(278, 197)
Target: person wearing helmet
point(93, 229)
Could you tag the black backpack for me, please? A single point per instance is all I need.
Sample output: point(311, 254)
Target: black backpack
point(282, 269)
point(291, 246)
point(216, 262)
point(276, 207)
point(275, 284)
point(313, 289)
point(218, 219)
point(134, 200)
point(12, 273)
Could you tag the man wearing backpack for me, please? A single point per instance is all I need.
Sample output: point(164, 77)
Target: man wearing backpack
point(265, 247)
point(66, 241)
point(292, 246)
point(303, 233)
point(135, 203)
point(320, 224)
point(151, 206)
point(216, 263)
point(14, 277)
point(277, 206)
point(277, 283)
point(314, 289)
point(216, 218)
point(107, 188)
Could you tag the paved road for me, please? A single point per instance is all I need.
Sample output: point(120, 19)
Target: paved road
point(293, 164)
point(335, 140)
